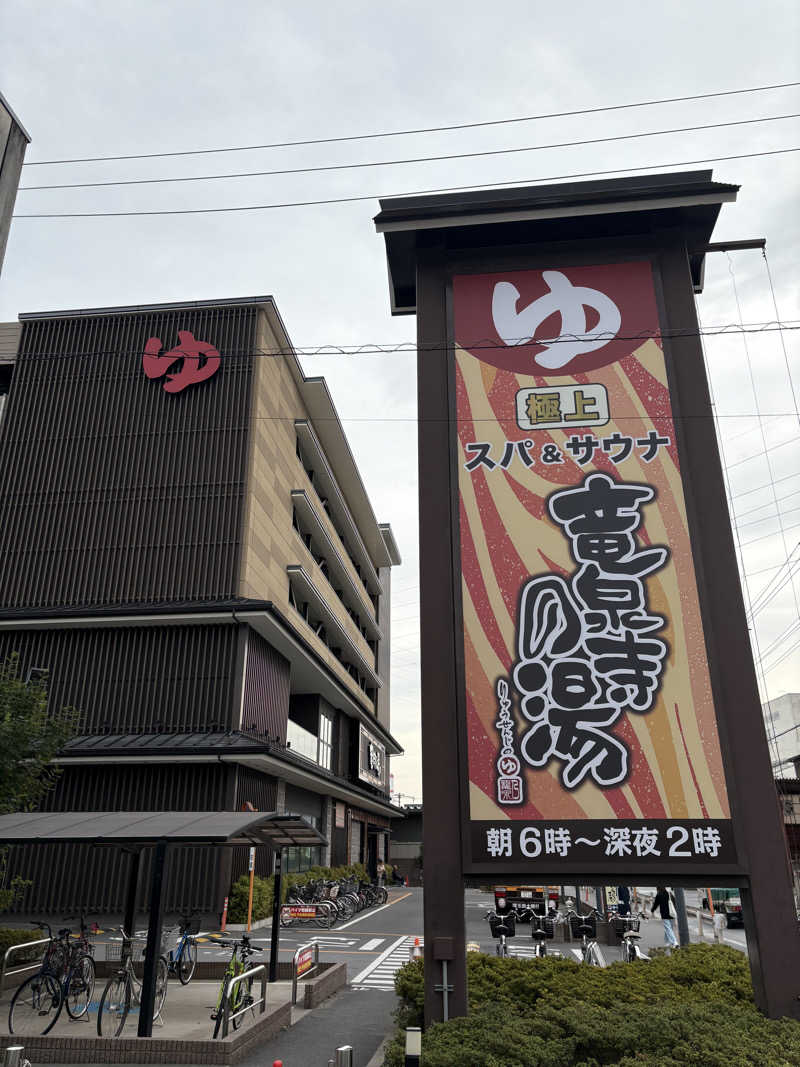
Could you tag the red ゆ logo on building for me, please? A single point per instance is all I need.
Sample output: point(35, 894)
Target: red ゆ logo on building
point(199, 361)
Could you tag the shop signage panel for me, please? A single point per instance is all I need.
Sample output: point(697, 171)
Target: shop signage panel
point(371, 758)
point(590, 725)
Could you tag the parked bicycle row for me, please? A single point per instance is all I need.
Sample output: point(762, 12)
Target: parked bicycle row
point(569, 924)
point(66, 979)
point(325, 903)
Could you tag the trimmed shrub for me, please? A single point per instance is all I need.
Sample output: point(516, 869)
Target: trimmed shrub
point(263, 889)
point(693, 1007)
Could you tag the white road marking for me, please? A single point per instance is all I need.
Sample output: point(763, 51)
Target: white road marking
point(369, 946)
point(373, 911)
point(380, 973)
point(576, 952)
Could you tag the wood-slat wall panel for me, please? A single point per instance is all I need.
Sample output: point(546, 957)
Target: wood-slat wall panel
point(265, 703)
point(136, 679)
point(113, 491)
point(70, 877)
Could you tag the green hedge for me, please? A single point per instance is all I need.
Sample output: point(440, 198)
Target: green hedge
point(263, 889)
point(693, 1007)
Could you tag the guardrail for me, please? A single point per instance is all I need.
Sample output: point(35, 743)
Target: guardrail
point(298, 961)
point(18, 948)
point(228, 998)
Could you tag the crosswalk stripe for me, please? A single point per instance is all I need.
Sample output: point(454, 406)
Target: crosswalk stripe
point(372, 944)
point(380, 974)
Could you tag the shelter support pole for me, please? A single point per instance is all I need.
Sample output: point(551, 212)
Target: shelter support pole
point(129, 919)
point(773, 939)
point(276, 917)
point(153, 950)
point(442, 750)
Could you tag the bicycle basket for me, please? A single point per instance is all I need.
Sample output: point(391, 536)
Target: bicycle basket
point(191, 927)
point(582, 920)
point(621, 926)
point(502, 924)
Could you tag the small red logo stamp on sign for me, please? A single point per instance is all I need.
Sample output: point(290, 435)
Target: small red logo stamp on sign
point(191, 353)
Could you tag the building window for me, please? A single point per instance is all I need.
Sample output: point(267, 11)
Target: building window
point(325, 740)
point(301, 741)
point(303, 858)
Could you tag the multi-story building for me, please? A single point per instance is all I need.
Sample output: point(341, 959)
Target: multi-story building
point(13, 142)
point(782, 720)
point(190, 556)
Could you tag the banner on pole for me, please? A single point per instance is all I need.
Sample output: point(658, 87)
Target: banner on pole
point(591, 729)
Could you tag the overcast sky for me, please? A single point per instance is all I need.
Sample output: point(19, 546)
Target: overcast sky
point(135, 76)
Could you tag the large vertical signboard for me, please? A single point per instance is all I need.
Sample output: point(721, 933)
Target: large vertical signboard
point(591, 729)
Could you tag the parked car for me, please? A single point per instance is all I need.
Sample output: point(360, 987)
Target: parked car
point(727, 901)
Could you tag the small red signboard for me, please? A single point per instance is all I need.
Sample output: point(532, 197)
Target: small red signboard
point(305, 960)
point(300, 911)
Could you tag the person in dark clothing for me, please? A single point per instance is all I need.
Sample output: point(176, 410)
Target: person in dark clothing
point(662, 902)
point(624, 898)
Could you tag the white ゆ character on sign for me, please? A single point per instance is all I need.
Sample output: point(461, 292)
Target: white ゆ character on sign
point(519, 327)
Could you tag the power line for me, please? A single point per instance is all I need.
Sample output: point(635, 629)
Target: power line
point(769, 504)
point(764, 485)
point(482, 344)
point(403, 162)
point(775, 533)
point(425, 129)
point(767, 518)
point(765, 452)
point(785, 655)
point(418, 192)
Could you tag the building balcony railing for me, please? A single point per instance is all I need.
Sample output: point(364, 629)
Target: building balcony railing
point(309, 602)
point(355, 600)
point(332, 499)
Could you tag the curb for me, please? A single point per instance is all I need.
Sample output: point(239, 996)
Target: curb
point(380, 1053)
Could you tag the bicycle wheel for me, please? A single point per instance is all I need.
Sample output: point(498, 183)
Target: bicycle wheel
point(35, 1006)
point(80, 986)
point(162, 980)
point(115, 1004)
point(382, 894)
point(187, 961)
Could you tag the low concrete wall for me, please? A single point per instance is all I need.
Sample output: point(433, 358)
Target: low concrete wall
point(332, 978)
point(145, 1050)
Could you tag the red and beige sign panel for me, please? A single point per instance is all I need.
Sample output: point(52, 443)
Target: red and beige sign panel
point(592, 733)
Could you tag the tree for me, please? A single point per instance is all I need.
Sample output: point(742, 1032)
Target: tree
point(31, 734)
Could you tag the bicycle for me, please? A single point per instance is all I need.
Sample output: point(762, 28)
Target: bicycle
point(502, 927)
point(542, 931)
point(626, 928)
point(242, 997)
point(123, 989)
point(590, 950)
point(183, 960)
point(66, 976)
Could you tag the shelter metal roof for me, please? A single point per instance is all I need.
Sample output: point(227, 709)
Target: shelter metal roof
point(148, 827)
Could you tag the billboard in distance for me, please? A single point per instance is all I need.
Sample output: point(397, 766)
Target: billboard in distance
point(591, 728)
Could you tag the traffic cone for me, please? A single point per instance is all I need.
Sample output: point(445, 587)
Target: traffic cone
point(416, 950)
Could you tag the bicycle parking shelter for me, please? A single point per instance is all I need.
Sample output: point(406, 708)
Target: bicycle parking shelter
point(137, 830)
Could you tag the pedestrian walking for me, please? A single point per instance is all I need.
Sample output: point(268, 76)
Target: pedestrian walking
point(720, 925)
point(624, 900)
point(662, 901)
point(381, 872)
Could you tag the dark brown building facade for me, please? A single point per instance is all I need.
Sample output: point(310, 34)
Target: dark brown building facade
point(191, 557)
